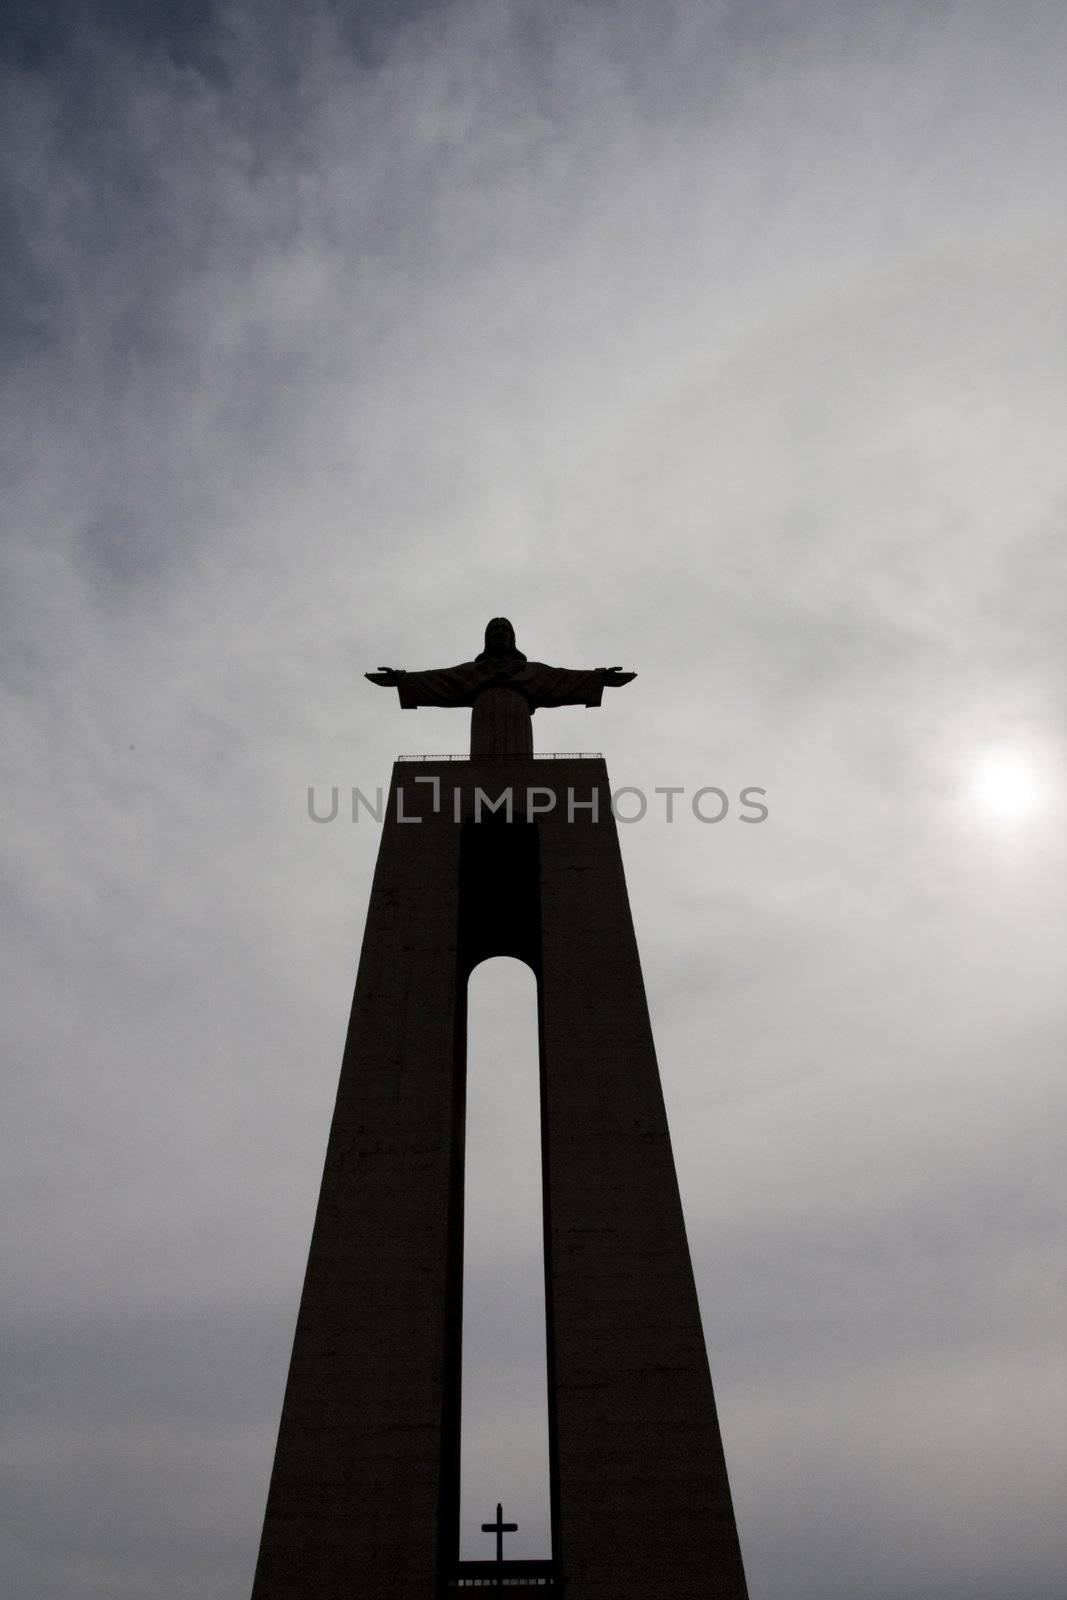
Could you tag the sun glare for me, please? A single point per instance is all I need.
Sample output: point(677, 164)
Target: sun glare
point(1006, 787)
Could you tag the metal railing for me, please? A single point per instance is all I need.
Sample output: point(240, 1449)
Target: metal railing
point(539, 755)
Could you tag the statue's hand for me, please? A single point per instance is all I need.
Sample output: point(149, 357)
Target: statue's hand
point(388, 677)
point(615, 677)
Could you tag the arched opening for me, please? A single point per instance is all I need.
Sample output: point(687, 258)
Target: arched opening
point(504, 1412)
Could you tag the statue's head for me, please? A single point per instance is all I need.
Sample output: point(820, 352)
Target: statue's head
point(499, 637)
point(500, 647)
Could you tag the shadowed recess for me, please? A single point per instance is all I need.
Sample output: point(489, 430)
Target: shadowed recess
point(505, 1412)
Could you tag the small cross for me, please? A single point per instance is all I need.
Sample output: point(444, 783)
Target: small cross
point(500, 1528)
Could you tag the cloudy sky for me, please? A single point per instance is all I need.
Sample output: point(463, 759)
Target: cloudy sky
point(720, 340)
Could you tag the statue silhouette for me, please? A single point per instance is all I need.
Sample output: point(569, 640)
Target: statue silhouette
point(502, 688)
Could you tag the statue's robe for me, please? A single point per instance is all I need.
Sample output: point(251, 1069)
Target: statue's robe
point(502, 698)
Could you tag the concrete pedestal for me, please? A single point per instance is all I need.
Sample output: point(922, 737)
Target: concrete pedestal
point(364, 1497)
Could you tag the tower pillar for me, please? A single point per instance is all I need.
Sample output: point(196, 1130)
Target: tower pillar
point(364, 1497)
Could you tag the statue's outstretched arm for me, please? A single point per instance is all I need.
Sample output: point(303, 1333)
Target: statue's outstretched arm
point(444, 686)
point(560, 686)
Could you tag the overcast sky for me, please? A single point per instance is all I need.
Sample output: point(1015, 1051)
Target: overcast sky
point(722, 341)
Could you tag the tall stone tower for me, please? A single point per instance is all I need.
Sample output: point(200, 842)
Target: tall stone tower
point(364, 1496)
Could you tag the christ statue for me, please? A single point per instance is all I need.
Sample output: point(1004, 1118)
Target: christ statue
point(503, 689)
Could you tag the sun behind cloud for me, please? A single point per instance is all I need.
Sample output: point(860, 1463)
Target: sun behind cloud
point(1007, 786)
